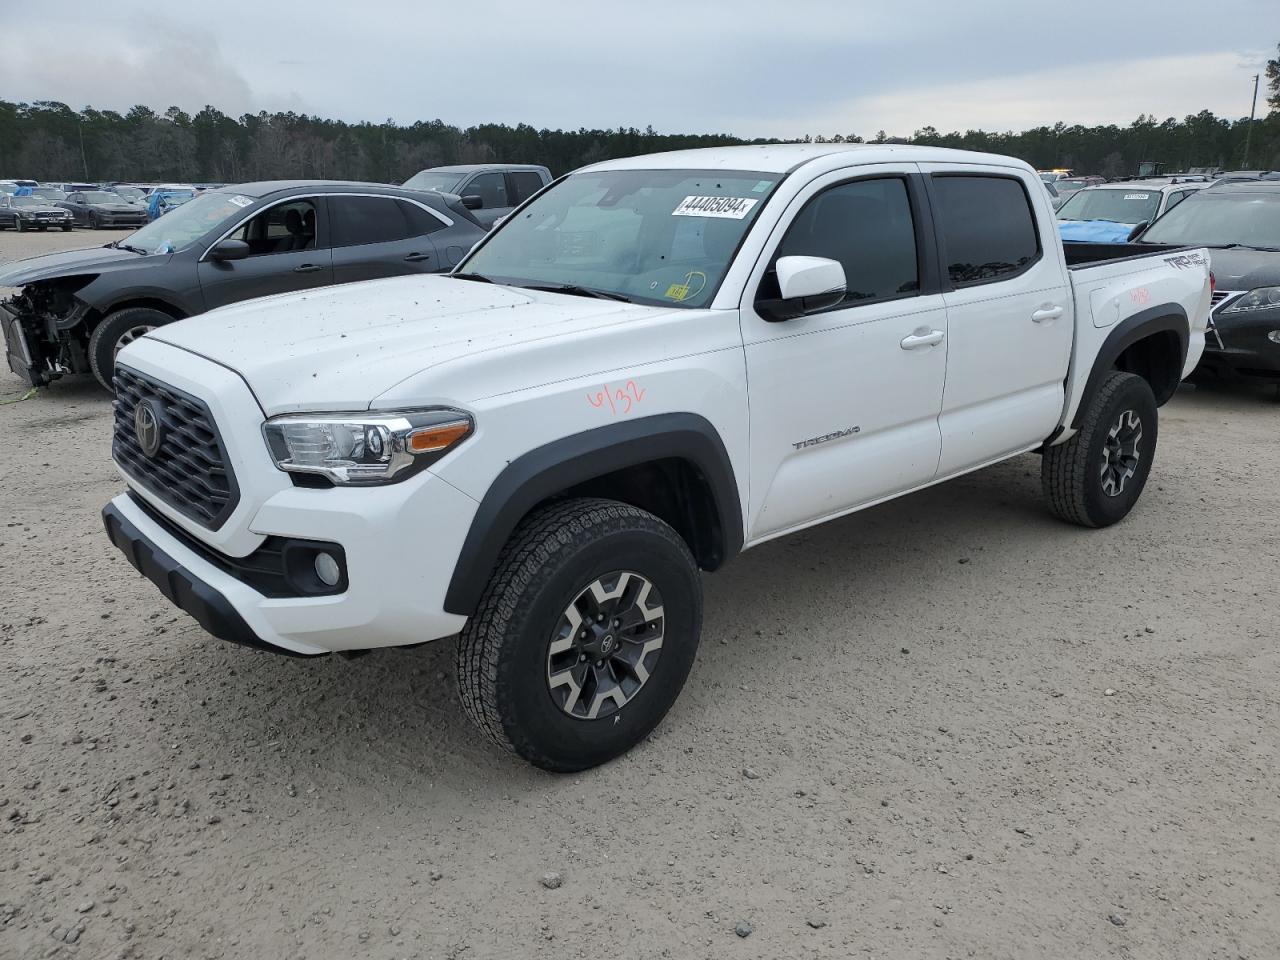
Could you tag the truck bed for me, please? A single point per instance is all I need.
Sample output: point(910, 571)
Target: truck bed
point(1091, 254)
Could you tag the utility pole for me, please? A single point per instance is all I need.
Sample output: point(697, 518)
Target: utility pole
point(83, 159)
point(1248, 135)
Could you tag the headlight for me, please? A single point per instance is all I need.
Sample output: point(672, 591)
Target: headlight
point(1263, 298)
point(354, 449)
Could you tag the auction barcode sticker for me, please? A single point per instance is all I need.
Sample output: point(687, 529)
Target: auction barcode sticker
point(1137, 196)
point(728, 208)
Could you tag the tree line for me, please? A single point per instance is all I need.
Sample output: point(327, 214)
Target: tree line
point(47, 140)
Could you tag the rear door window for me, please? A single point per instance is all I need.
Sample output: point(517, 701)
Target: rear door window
point(986, 227)
point(420, 221)
point(359, 220)
point(524, 184)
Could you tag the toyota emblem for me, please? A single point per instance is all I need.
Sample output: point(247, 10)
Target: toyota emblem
point(147, 428)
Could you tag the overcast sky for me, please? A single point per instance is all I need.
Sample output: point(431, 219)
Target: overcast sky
point(779, 68)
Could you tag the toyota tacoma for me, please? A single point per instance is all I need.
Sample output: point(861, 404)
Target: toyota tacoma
point(650, 366)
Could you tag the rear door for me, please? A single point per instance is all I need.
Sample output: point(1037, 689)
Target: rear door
point(380, 236)
point(289, 250)
point(1009, 313)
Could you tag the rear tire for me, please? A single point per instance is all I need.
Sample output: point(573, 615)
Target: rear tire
point(584, 635)
point(1096, 477)
point(116, 331)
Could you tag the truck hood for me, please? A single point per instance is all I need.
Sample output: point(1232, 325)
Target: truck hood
point(339, 348)
point(68, 263)
point(1243, 269)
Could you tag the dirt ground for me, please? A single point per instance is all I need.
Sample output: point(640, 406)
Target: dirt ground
point(947, 727)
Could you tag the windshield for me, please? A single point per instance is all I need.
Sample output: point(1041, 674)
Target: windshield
point(1070, 186)
point(430, 180)
point(48, 193)
point(100, 196)
point(1121, 205)
point(1210, 218)
point(650, 236)
point(26, 202)
point(187, 223)
point(129, 193)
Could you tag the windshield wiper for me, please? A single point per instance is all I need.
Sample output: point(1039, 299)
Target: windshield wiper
point(131, 248)
point(477, 277)
point(574, 290)
point(1241, 246)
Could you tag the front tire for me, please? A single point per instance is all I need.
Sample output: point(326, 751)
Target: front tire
point(1096, 477)
point(19, 225)
point(116, 331)
point(584, 635)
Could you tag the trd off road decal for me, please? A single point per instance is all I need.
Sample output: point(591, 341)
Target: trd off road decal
point(1185, 260)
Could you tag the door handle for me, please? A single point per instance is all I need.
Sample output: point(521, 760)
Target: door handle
point(417, 257)
point(917, 340)
point(1046, 313)
point(308, 268)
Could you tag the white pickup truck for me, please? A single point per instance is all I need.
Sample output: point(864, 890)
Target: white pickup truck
point(651, 365)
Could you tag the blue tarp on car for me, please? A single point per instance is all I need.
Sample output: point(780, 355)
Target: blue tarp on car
point(1095, 231)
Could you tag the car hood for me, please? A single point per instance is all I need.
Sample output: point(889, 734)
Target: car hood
point(340, 348)
point(67, 263)
point(1241, 269)
point(121, 207)
point(42, 208)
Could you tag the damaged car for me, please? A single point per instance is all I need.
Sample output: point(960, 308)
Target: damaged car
point(76, 309)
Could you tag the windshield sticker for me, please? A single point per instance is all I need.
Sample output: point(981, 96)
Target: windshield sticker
point(240, 200)
point(726, 208)
point(1137, 196)
point(695, 281)
point(762, 186)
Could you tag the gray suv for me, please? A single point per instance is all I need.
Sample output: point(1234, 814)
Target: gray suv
point(489, 190)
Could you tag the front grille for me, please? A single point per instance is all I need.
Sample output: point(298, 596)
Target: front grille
point(189, 471)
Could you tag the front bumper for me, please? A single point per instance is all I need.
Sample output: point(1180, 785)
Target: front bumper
point(43, 221)
point(400, 544)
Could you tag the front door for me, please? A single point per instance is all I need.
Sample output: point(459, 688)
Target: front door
point(491, 188)
point(288, 251)
point(1009, 315)
point(845, 402)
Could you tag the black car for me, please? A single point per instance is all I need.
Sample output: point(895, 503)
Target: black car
point(76, 309)
point(1240, 223)
point(32, 213)
point(101, 208)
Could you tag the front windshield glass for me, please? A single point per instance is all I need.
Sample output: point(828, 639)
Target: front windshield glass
point(48, 193)
point(186, 224)
point(26, 202)
point(129, 193)
point(100, 196)
point(1213, 219)
point(650, 236)
point(1121, 205)
point(429, 180)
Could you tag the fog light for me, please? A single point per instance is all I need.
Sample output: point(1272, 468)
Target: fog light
point(1274, 336)
point(327, 569)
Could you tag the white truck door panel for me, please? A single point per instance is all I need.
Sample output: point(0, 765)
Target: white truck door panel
point(1010, 317)
point(843, 412)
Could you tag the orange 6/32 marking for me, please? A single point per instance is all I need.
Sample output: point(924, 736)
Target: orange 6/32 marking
point(620, 400)
point(1141, 295)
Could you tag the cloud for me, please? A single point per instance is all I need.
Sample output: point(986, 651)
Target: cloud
point(1115, 92)
point(106, 67)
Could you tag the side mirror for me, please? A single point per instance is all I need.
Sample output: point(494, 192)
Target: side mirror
point(473, 202)
point(805, 285)
point(229, 250)
point(1137, 231)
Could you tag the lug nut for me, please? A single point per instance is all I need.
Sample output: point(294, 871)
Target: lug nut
point(599, 663)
